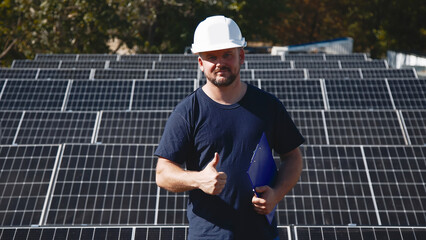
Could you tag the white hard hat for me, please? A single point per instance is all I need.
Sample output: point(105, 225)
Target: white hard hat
point(217, 33)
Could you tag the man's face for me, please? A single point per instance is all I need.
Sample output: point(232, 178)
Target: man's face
point(221, 67)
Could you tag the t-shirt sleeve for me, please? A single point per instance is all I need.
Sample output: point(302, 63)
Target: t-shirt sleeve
point(286, 137)
point(175, 141)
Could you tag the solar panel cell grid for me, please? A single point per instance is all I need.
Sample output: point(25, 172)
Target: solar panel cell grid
point(346, 57)
point(268, 65)
point(262, 57)
point(7, 73)
point(358, 94)
point(388, 73)
point(408, 93)
point(55, 57)
point(364, 128)
point(33, 95)
point(364, 64)
point(415, 123)
point(334, 73)
point(316, 64)
point(34, 64)
point(279, 74)
point(172, 74)
point(56, 128)
point(104, 184)
point(119, 74)
point(132, 127)
point(99, 95)
point(304, 57)
point(63, 74)
point(94, 57)
point(311, 125)
point(296, 94)
point(24, 179)
point(398, 177)
point(9, 122)
point(178, 57)
point(184, 65)
point(83, 64)
point(130, 65)
point(140, 57)
point(160, 94)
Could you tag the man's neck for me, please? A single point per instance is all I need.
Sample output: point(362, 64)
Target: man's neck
point(226, 95)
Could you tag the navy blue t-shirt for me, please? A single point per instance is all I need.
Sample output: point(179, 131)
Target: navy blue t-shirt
point(199, 127)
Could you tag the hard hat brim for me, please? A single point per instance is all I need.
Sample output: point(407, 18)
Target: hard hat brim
point(208, 47)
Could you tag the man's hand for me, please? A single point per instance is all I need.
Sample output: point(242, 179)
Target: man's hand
point(265, 203)
point(211, 181)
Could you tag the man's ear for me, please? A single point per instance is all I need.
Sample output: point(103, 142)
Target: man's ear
point(242, 56)
point(200, 64)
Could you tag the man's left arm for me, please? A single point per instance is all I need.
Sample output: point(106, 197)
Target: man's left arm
point(287, 177)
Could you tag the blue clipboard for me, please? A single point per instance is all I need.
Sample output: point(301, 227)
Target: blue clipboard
point(262, 170)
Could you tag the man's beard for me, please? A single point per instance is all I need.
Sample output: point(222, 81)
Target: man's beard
point(226, 81)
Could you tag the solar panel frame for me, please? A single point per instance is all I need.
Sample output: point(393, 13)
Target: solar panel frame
point(24, 179)
point(100, 95)
point(56, 128)
point(408, 93)
point(295, 93)
point(362, 127)
point(47, 95)
point(415, 125)
point(358, 94)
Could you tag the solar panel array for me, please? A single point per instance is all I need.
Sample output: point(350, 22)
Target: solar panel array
point(78, 132)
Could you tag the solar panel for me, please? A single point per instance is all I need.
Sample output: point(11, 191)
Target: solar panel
point(100, 95)
point(333, 190)
point(83, 64)
point(55, 57)
point(33, 95)
point(364, 64)
point(34, 64)
point(296, 94)
point(358, 94)
point(280, 74)
point(304, 57)
point(311, 125)
point(262, 57)
point(316, 64)
point(415, 123)
point(50, 233)
point(178, 57)
point(166, 233)
point(110, 57)
point(132, 127)
point(388, 73)
point(130, 65)
point(9, 122)
point(364, 128)
point(140, 57)
point(398, 180)
point(268, 65)
point(346, 57)
point(183, 65)
point(335, 73)
point(172, 74)
point(104, 184)
point(25, 175)
point(119, 74)
point(172, 208)
point(56, 128)
point(408, 93)
point(7, 73)
point(63, 74)
point(354, 232)
point(160, 94)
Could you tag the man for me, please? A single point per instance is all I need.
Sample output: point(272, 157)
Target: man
point(214, 132)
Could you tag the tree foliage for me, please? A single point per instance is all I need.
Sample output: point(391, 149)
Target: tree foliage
point(28, 27)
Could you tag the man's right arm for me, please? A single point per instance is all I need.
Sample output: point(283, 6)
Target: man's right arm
point(172, 177)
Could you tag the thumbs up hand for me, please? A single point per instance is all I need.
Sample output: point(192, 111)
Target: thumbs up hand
point(211, 181)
